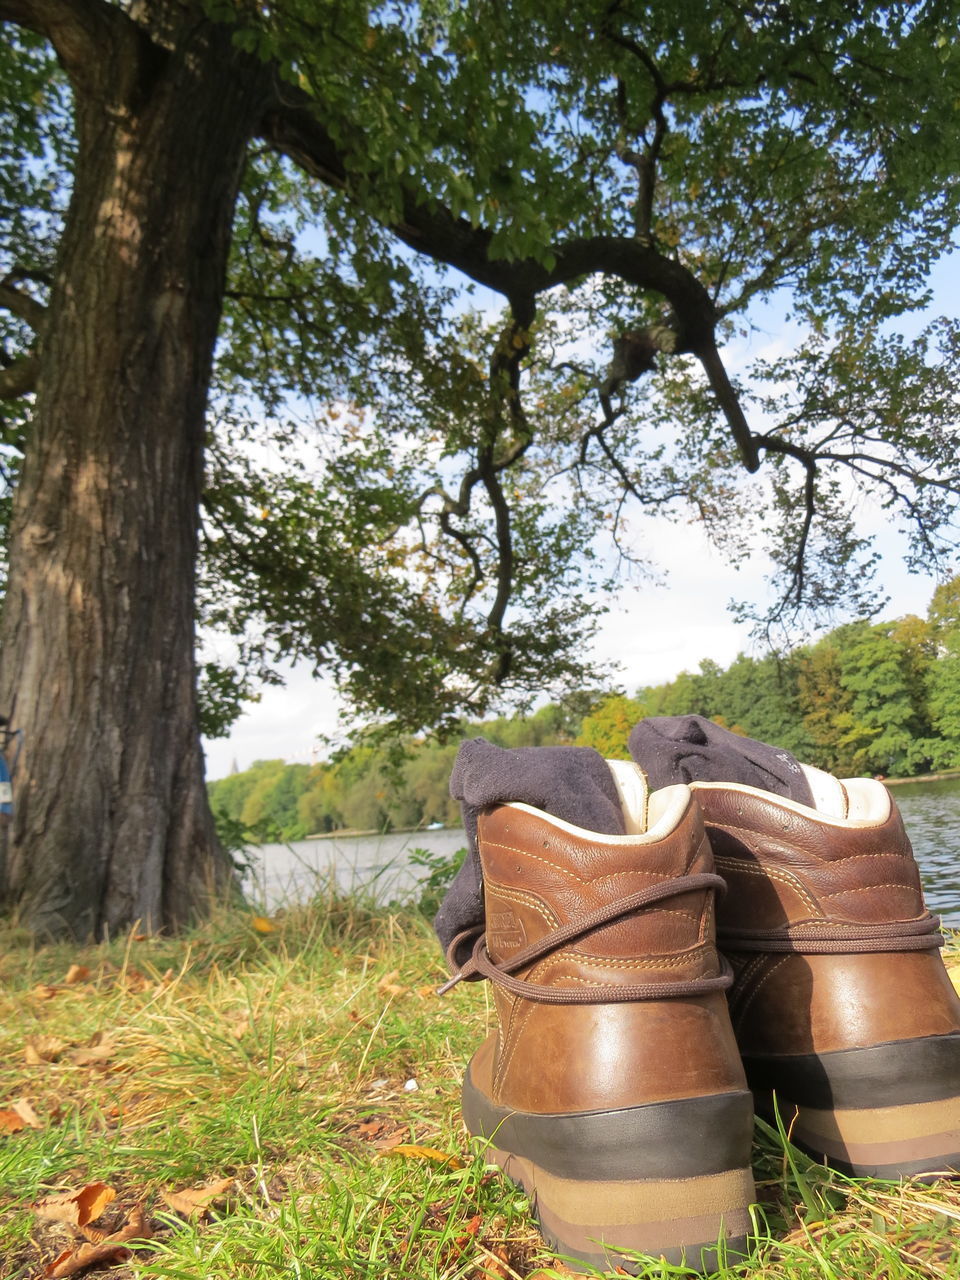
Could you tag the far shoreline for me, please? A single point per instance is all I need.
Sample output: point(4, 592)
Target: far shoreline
point(947, 776)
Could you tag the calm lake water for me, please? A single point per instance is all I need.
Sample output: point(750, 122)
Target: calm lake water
point(931, 812)
point(287, 873)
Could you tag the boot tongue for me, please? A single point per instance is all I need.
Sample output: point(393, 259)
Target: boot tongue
point(671, 749)
point(634, 794)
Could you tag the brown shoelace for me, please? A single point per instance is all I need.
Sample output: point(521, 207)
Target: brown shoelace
point(838, 939)
point(481, 966)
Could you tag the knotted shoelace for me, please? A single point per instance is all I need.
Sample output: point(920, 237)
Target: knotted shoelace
point(480, 965)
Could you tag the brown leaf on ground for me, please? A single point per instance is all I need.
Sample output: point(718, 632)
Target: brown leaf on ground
point(76, 1207)
point(413, 1151)
point(108, 1254)
point(134, 981)
point(97, 1049)
point(557, 1271)
point(76, 973)
point(470, 1230)
point(496, 1266)
point(388, 987)
point(192, 1200)
point(26, 1113)
point(40, 1049)
point(43, 991)
point(371, 1129)
point(11, 1121)
point(105, 1252)
point(390, 1141)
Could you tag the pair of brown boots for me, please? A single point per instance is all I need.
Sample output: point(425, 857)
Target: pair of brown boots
point(654, 988)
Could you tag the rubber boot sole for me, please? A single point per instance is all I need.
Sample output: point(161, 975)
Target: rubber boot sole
point(671, 1179)
point(888, 1111)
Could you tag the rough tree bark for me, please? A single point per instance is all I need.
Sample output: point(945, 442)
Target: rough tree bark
point(112, 824)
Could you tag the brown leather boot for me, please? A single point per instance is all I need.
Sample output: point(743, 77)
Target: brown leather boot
point(841, 1004)
point(612, 1090)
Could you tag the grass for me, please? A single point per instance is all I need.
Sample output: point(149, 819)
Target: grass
point(309, 1077)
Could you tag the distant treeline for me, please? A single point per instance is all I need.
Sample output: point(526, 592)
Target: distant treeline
point(868, 698)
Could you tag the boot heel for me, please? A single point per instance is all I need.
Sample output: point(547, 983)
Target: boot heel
point(671, 1178)
point(595, 1222)
point(888, 1111)
point(880, 1142)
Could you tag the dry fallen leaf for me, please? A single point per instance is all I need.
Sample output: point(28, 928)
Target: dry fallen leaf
point(11, 1121)
point(195, 1199)
point(262, 925)
point(134, 981)
point(109, 1250)
point(496, 1266)
point(26, 1113)
point(40, 1049)
point(371, 1129)
point(76, 1207)
point(390, 1141)
point(412, 1151)
point(470, 1230)
point(43, 991)
point(387, 987)
point(97, 1049)
point(107, 1253)
point(76, 973)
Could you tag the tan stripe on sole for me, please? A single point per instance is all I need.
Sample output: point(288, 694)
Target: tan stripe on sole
point(919, 1131)
point(612, 1204)
point(691, 1236)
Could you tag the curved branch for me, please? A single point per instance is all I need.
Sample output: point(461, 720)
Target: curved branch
point(913, 511)
point(729, 402)
point(79, 30)
point(21, 304)
point(505, 564)
point(809, 512)
point(291, 127)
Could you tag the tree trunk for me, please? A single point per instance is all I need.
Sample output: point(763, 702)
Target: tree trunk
point(112, 824)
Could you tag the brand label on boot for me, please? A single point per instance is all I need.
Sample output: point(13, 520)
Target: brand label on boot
point(505, 931)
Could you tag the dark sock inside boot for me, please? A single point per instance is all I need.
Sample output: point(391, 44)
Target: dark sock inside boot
point(575, 785)
point(672, 749)
point(570, 783)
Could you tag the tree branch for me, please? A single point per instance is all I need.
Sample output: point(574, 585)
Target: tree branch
point(291, 127)
point(729, 403)
point(77, 29)
point(505, 562)
point(21, 304)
